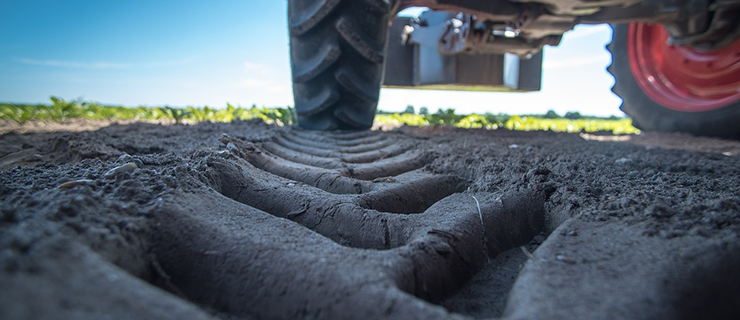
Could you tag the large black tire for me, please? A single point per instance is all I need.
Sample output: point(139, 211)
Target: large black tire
point(647, 114)
point(337, 51)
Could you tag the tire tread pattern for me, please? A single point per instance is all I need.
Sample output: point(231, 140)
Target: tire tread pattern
point(337, 55)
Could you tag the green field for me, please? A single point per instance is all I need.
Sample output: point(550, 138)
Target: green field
point(61, 110)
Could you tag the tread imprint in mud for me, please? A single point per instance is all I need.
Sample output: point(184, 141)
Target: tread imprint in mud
point(209, 226)
point(361, 190)
point(295, 224)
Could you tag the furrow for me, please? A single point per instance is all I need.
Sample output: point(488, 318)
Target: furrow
point(301, 157)
point(299, 147)
point(390, 167)
point(345, 145)
point(333, 181)
point(337, 139)
point(416, 195)
point(349, 135)
point(362, 157)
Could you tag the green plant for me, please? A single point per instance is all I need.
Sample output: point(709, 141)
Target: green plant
point(475, 121)
point(572, 115)
point(496, 120)
point(61, 110)
point(18, 114)
point(231, 113)
point(96, 111)
point(176, 114)
point(402, 118)
point(551, 114)
point(200, 114)
point(282, 116)
point(446, 117)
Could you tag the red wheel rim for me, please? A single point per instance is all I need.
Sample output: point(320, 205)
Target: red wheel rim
point(683, 78)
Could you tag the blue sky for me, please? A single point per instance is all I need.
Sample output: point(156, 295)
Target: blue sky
point(182, 53)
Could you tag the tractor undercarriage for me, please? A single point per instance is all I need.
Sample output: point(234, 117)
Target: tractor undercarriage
point(524, 27)
point(676, 63)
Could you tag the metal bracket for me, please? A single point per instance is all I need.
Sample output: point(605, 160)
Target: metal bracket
point(464, 34)
point(426, 54)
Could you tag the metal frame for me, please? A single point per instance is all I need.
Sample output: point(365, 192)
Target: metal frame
point(416, 63)
point(468, 44)
point(707, 24)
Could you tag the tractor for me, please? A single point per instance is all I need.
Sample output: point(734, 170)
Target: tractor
point(676, 63)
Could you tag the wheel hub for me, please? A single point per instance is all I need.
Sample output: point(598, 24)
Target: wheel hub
point(683, 78)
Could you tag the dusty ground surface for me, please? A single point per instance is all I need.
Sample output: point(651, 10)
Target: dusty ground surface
point(247, 220)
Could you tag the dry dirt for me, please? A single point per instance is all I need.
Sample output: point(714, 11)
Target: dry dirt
point(253, 221)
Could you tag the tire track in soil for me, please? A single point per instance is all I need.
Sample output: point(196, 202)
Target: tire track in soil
point(375, 234)
point(652, 236)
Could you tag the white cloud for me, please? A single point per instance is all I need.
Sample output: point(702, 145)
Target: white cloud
point(76, 64)
point(171, 63)
point(105, 65)
point(257, 68)
point(261, 77)
point(278, 89)
point(254, 83)
point(264, 85)
point(252, 65)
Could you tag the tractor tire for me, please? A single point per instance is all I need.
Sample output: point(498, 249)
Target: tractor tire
point(337, 51)
point(680, 89)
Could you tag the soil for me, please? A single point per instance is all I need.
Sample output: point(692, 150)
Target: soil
point(253, 221)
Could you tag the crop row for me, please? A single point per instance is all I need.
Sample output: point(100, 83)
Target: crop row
point(61, 110)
